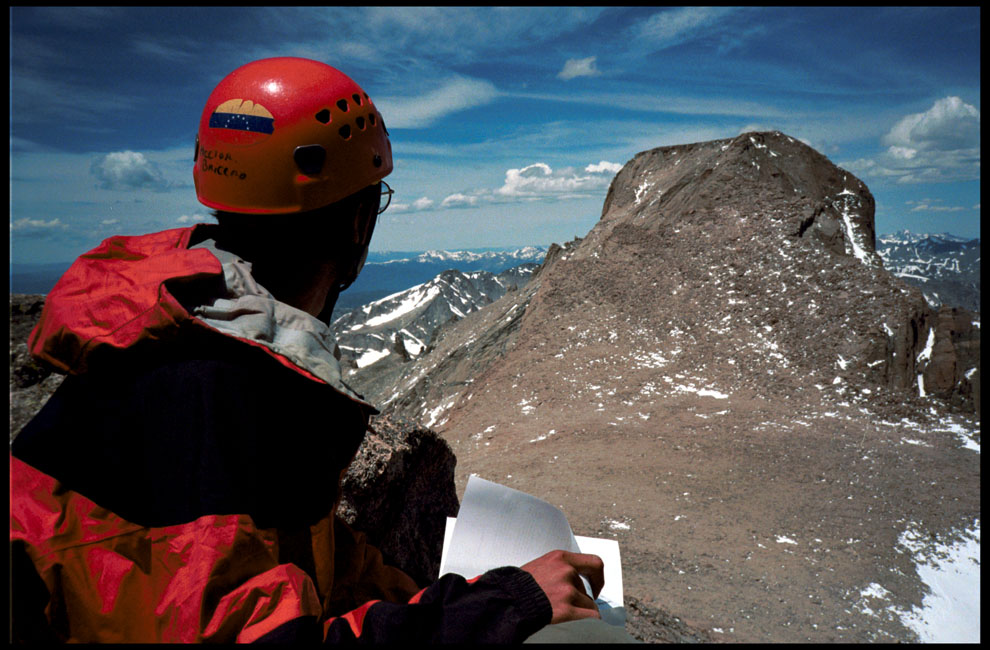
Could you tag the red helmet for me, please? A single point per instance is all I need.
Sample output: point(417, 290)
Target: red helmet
point(287, 135)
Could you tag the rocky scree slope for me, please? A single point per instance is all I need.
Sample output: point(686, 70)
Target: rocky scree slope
point(722, 375)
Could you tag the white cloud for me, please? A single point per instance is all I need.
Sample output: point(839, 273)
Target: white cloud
point(941, 144)
point(422, 203)
point(931, 205)
point(191, 218)
point(950, 124)
point(579, 68)
point(903, 153)
point(419, 205)
point(459, 34)
point(459, 200)
point(128, 170)
point(26, 224)
point(674, 26)
point(603, 167)
point(539, 180)
point(423, 110)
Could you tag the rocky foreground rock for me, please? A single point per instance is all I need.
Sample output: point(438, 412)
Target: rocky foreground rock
point(399, 490)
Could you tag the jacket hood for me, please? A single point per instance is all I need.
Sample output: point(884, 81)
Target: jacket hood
point(145, 290)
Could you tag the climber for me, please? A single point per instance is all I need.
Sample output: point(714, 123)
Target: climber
point(181, 485)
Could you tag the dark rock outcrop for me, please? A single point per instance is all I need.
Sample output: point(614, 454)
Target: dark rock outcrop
point(399, 490)
point(953, 371)
point(31, 382)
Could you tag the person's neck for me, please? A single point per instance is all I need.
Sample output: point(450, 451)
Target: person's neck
point(312, 288)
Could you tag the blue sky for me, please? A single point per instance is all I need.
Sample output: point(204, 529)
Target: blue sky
point(507, 124)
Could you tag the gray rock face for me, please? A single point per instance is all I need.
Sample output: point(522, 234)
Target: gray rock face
point(31, 382)
point(399, 490)
point(953, 369)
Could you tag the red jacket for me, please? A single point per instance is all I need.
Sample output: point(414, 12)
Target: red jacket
point(181, 484)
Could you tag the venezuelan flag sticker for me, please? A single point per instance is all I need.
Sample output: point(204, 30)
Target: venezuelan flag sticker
point(241, 121)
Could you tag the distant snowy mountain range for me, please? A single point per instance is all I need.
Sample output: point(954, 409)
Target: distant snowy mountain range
point(424, 292)
point(498, 258)
point(404, 325)
point(946, 268)
point(908, 237)
point(388, 273)
point(482, 256)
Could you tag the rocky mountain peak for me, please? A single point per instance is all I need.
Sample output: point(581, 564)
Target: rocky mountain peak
point(749, 247)
point(710, 183)
point(754, 254)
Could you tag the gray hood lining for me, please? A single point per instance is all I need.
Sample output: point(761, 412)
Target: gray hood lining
point(249, 311)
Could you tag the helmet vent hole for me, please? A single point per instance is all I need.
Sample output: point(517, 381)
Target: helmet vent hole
point(376, 161)
point(310, 158)
point(360, 123)
point(345, 131)
point(371, 119)
point(356, 98)
point(342, 104)
point(323, 116)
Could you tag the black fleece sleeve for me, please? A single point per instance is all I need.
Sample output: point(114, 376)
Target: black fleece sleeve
point(504, 605)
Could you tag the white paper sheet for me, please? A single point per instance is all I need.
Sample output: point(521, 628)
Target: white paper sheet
point(498, 526)
point(609, 601)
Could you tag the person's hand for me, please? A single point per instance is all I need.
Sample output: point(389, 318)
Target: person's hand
point(558, 574)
